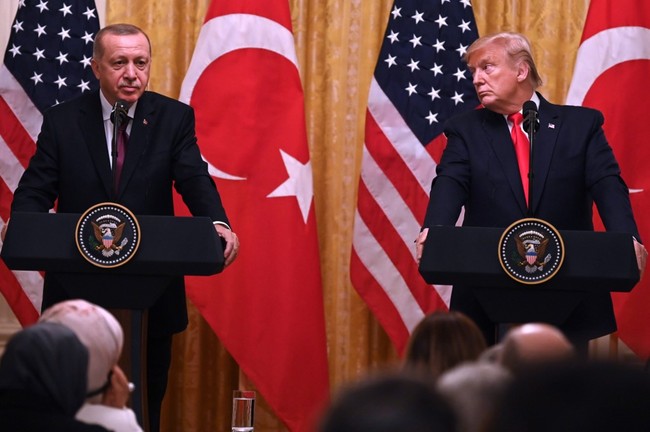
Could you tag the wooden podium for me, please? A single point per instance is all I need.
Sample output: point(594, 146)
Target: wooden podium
point(169, 247)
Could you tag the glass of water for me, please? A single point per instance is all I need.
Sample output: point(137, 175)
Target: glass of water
point(243, 410)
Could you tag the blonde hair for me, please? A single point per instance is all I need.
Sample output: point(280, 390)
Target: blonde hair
point(516, 45)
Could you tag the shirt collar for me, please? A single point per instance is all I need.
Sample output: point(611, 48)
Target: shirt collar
point(534, 98)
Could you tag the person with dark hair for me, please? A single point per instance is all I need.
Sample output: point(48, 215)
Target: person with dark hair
point(589, 396)
point(441, 341)
point(484, 170)
point(43, 373)
point(388, 403)
point(157, 152)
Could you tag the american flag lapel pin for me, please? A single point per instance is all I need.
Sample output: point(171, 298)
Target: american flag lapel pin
point(551, 125)
point(145, 122)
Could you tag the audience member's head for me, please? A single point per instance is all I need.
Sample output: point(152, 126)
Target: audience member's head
point(576, 396)
point(389, 403)
point(474, 390)
point(98, 330)
point(44, 367)
point(441, 341)
point(492, 354)
point(530, 344)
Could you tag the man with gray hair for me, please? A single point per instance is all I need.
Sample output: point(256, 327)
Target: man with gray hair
point(157, 153)
point(474, 390)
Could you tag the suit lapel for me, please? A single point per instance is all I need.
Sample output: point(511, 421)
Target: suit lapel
point(92, 127)
point(544, 145)
point(496, 129)
point(139, 139)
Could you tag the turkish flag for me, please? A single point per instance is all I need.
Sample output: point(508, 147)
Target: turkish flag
point(267, 307)
point(610, 75)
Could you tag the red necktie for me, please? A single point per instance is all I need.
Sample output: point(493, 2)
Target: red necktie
point(122, 139)
point(522, 149)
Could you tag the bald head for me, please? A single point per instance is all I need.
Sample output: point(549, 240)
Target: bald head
point(532, 344)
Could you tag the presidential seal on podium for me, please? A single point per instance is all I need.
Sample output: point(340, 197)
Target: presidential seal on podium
point(531, 251)
point(107, 235)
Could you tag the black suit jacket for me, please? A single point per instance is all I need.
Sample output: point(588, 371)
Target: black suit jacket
point(72, 164)
point(573, 167)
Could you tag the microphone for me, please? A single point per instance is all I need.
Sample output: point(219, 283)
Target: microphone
point(530, 116)
point(120, 111)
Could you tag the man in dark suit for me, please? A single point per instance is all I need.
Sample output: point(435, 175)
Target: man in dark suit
point(574, 167)
point(72, 164)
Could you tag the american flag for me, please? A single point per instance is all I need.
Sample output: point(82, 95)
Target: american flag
point(420, 81)
point(47, 61)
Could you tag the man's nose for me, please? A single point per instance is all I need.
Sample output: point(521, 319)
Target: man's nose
point(129, 70)
point(477, 77)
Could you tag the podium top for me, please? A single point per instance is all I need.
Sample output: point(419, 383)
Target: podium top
point(170, 245)
point(170, 248)
point(594, 261)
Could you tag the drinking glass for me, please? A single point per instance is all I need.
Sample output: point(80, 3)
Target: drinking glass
point(243, 410)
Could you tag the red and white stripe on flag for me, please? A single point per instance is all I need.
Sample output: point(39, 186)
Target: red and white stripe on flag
point(420, 80)
point(34, 76)
point(613, 54)
point(267, 307)
point(396, 175)
point(19, 125)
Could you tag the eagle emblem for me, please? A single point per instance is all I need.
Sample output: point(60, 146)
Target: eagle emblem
point(109, 234)
point(531, 251)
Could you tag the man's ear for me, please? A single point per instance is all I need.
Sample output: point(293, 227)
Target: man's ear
point(523, 69)
point(95, 67)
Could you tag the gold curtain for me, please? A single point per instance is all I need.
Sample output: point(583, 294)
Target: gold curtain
point(337, 44)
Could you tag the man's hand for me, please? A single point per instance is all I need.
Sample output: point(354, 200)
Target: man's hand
point(232, 243)
point(641, 256)
point(419, 244)
point(117, 393)
point(3, 230)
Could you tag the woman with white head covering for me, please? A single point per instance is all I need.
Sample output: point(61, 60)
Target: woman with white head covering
point(107, 390)
point(42, 381)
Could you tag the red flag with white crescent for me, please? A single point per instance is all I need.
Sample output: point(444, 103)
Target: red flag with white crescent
point(609, 75)
point(267, 307)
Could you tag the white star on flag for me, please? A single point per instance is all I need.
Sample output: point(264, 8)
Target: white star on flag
point(299, 184)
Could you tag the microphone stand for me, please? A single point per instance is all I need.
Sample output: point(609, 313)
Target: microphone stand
point(531, 124)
